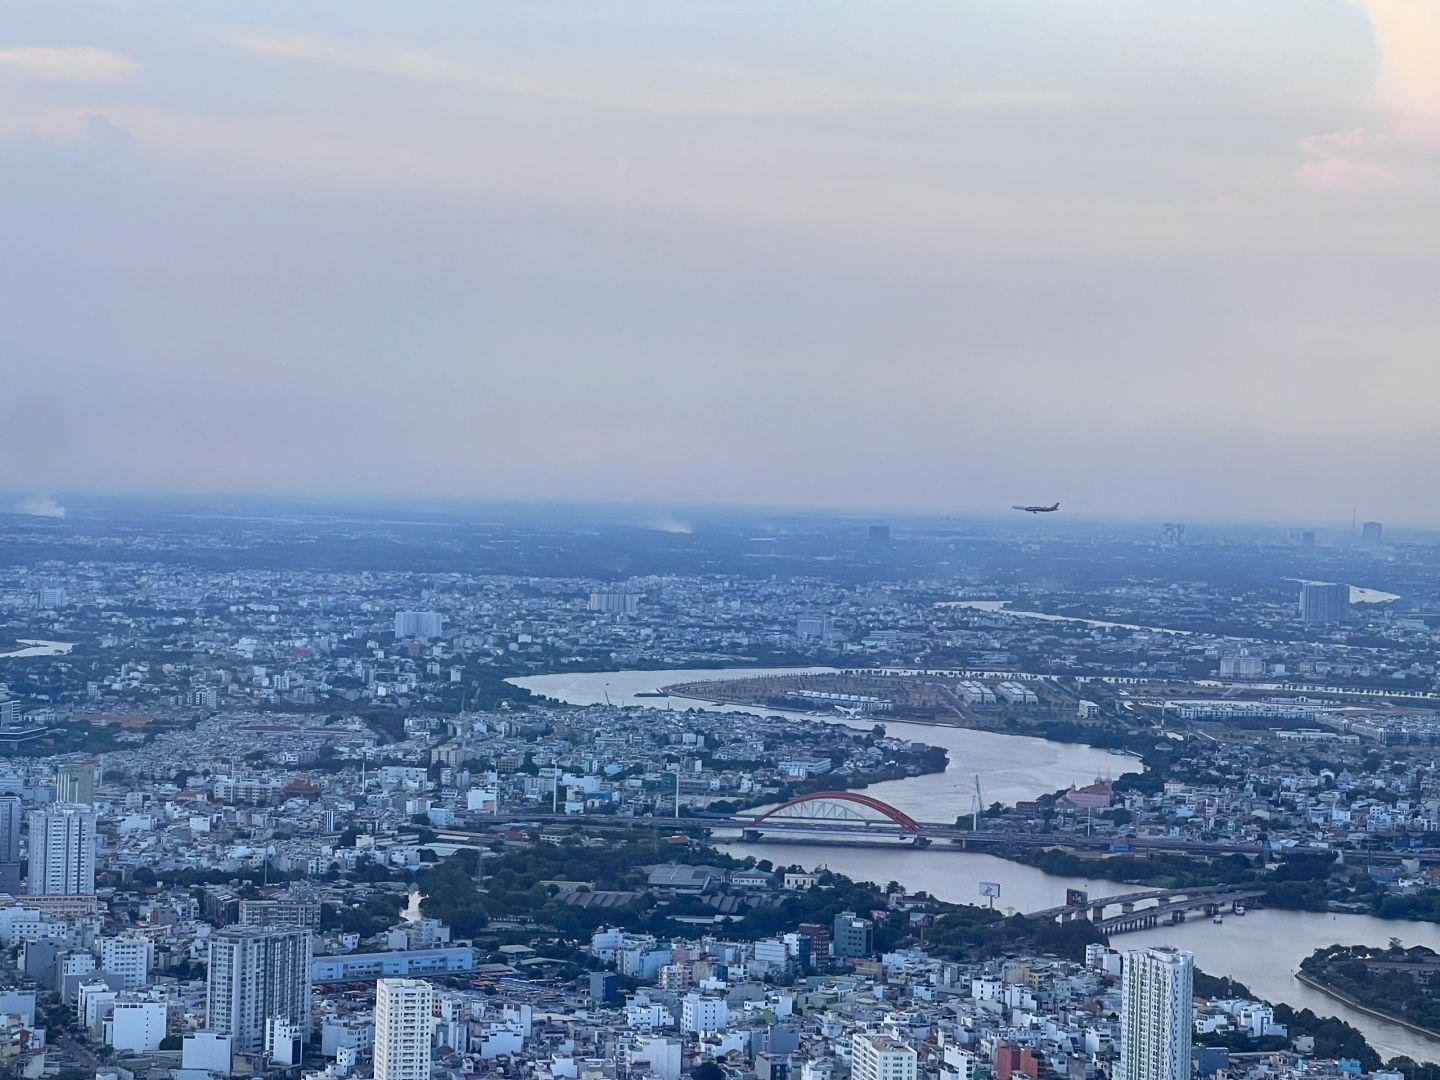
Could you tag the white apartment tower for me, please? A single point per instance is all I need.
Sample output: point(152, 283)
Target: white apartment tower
point(127, 958)
point(257, 973)
point(614, 602)
point(1157, 1016)
point(62, 851)
point(411, 624)
point(404, 1027)
point(879, 1057)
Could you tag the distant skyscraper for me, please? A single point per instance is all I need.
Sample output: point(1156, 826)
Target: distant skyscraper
point(1157, 1014)
point(1372, 534)
point(614, 602)
point(1241, 667)
point(75, 783)
point(879, 535)
point(51, 598)
point(1307, 538)
point(820, 627)
point(10, 817)
point(62, 851)
point(404, 1027)
point(1172, 534)
point(1324, 604)
point(256, 973)
point(426, 624)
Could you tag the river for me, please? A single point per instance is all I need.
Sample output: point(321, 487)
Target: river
point(1009, 767)
point(1359, 594)
point(1261, 949)
point(27, 648)
point(1002, 607)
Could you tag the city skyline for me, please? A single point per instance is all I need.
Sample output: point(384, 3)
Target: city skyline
point(911, 257)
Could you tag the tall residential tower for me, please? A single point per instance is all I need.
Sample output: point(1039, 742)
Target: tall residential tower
point(404, 1027)
point(10, 819)
point(1157, 1014)
point(62, 851)
point(257, 973)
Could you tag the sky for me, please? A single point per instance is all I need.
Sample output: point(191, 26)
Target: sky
point(1162, 260)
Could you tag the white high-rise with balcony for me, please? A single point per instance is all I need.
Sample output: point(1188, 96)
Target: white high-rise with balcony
point(257, 973)
point(404, 1027)
point(127, 958)
point(1158, 1012)
point(879, 1057)
point(62, 851)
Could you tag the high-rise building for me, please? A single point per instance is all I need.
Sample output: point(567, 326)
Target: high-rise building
point(302, 913)
point(1241, 667)
point(51, 598)
point(701, 1014)
point(62, 851)
point(404, 1027)
point(75, 783)
point(1157, 1014)
point(880, 1057)
point(10, 818)
point(426, 624)
point(852, 936)
point(818, 627)
point(1323, 604)
point(256, 973)
point(127, 958)
point(604, 987)
point(614, 602)
point(1372, 534)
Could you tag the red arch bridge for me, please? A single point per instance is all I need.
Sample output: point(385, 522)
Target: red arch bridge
point(839, 811)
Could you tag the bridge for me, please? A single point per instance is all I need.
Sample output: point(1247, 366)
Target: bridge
point(1169, 905)
point(840, 815)
point(825, 807)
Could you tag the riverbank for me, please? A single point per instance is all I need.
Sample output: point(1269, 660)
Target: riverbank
point(24, 648)
point(1261, 949)
point(1098, 736)
point(1011, 767)
point(1369, 1010)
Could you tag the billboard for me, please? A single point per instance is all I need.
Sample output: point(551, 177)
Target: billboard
point(990, 888)
point(1076, 898)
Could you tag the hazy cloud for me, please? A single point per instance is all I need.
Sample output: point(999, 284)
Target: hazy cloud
point(662, 87)
point(667, 523)
point(68, 64)
point(914, 254)
point(1402, 147)
point(1344, 161)
point(40, 506)
point(1408, 32)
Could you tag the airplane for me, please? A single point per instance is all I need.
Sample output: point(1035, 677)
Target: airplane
point(1038, 509)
